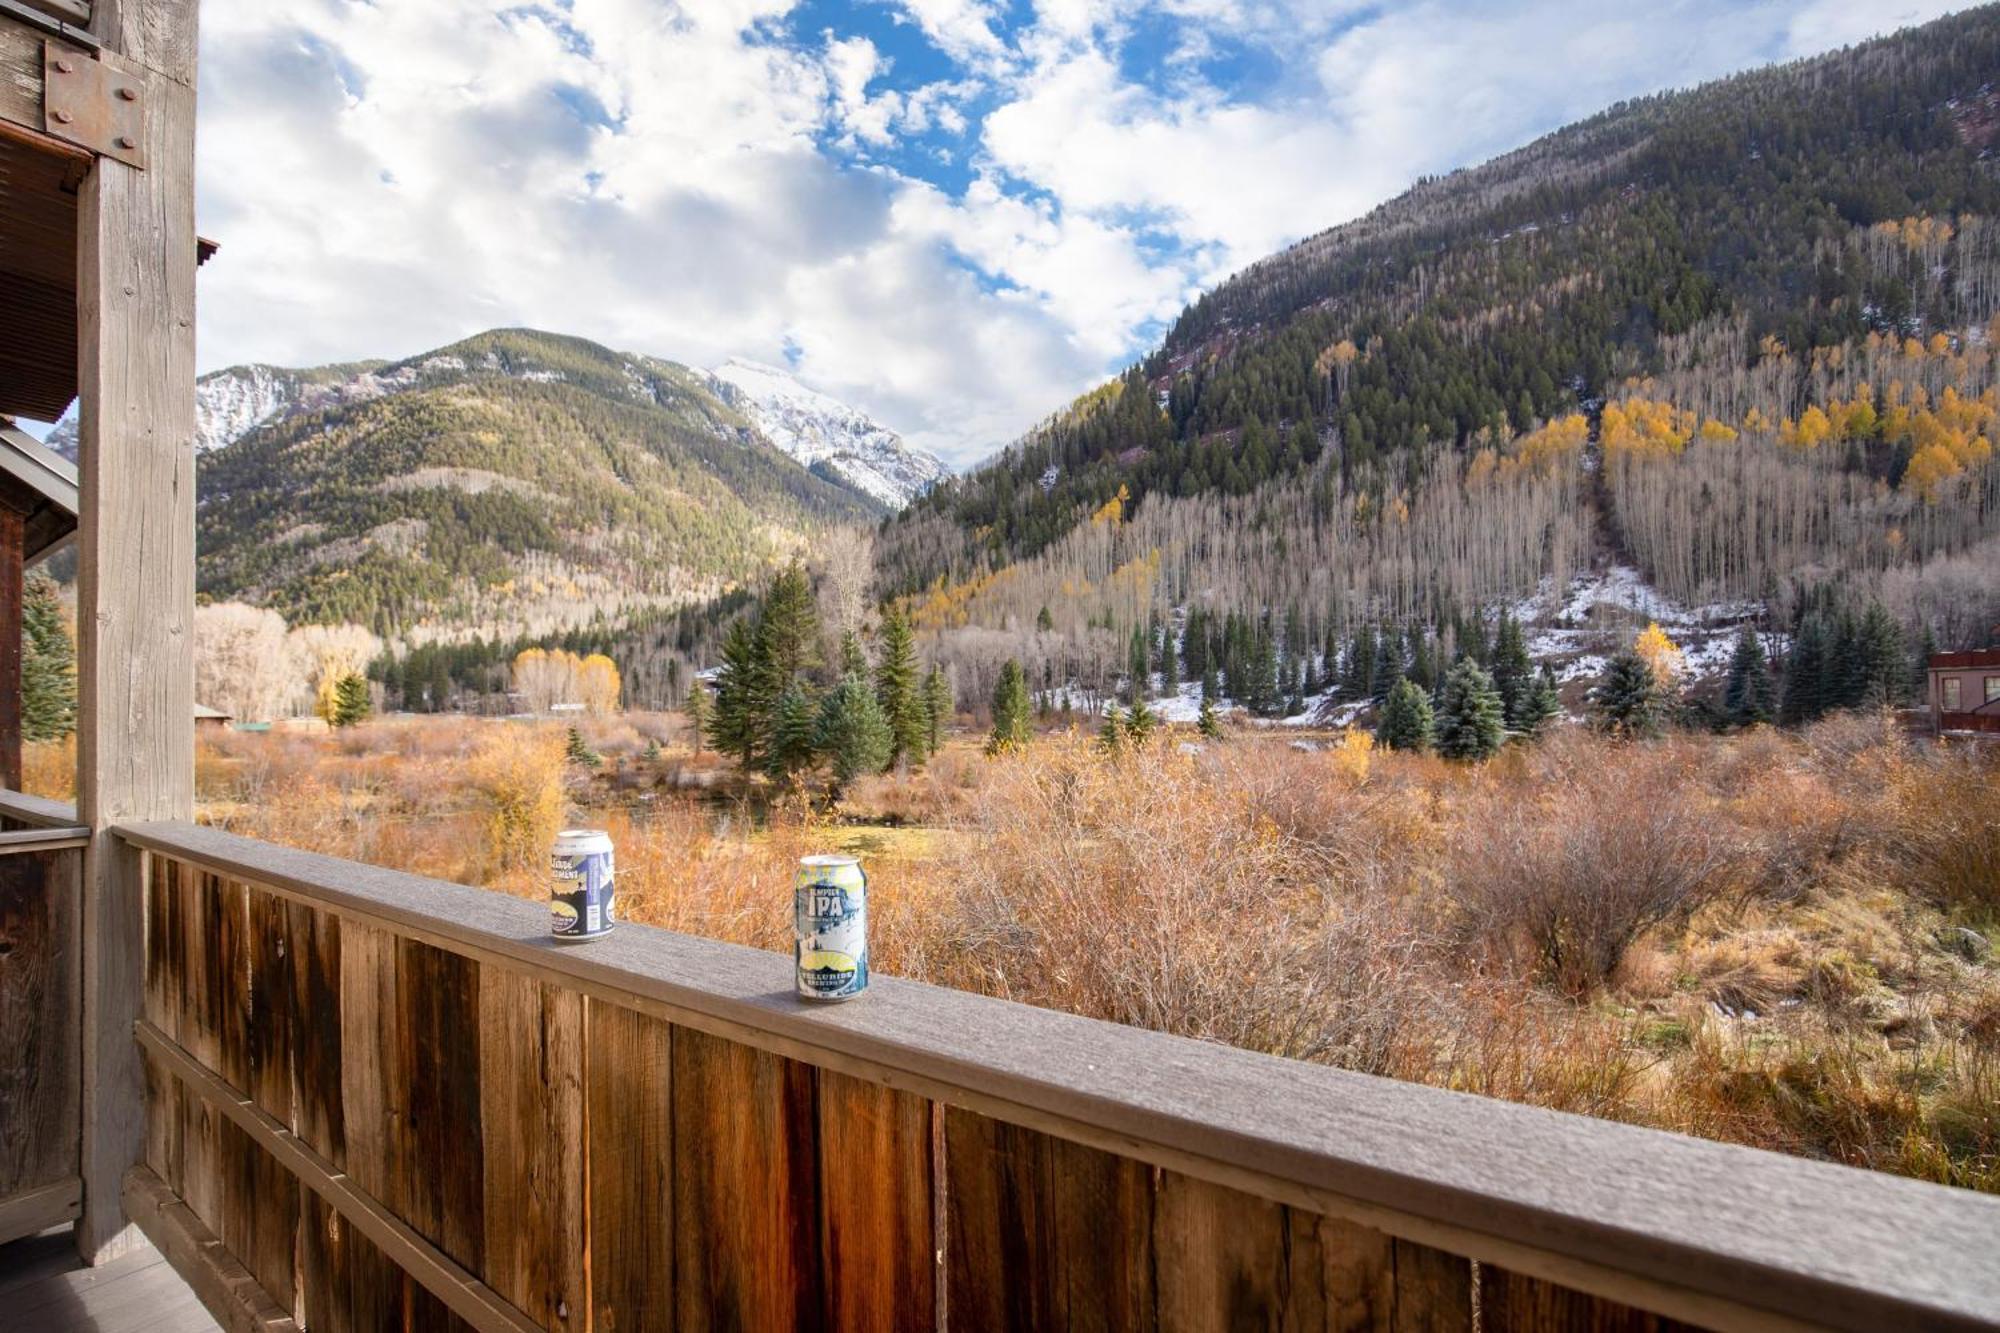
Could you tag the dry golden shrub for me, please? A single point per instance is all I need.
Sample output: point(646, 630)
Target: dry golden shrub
point(48, 769)
point(516, 773)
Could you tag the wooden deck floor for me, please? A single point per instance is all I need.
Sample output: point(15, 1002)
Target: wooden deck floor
point(45, 1289)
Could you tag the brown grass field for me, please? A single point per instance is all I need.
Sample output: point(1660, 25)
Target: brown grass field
point(1774, 939)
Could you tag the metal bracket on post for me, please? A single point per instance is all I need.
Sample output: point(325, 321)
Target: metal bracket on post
point(94, 104)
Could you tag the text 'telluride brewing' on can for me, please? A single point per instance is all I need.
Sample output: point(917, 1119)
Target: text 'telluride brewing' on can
point(830, 926)
point(580, 897)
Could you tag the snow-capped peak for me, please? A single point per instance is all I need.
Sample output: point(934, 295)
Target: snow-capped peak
point(816, 428)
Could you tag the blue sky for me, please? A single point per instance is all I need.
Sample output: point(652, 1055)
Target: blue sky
point(953, 213)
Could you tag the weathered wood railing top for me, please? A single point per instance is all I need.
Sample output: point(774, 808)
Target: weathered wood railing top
point(1705, 1232)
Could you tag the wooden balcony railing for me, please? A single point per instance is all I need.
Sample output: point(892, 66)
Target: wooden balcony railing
point(378, 1101)
point(41, 1069)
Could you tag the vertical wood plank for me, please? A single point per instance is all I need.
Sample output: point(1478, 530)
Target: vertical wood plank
point(531, 1111)
point(317, 1106)
point(259, 1211)
point(135, 572)
point(1433, 1290)
point(1226, 1261)
point(268, 1035)
point(40, 1081)
point(629, 1111)
point(1510, 1303)
point(744, 1187)
point(878, 1251)
point(1356, 1268)
point(439, 1187)
point(1042, 1233)
point(370, 1150)
point(10, 646)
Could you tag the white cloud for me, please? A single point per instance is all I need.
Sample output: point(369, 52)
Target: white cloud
point(682, 179)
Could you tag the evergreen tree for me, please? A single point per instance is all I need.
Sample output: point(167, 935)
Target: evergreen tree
point(853, 661)
point(48, 664)
point(1544, 703)
point(1210, 688)
point(1879, 661)
point(1209, 723)
point(1471, 719)
point(794, 739)
point(1513, 673)
point(1010, 710)
point(698, 712)
point(577, 752)
point(899, 692)
point(1170, 664)
point(738, 725)
point(1141, 722)
point(351, 703)
point(1389, 663)
point(1044, 622)
point(1138, 666)
point(1424, 652)
point(1919, 687)
point(1807, 693)
point(1406, 722)
point(1628, 698)
point(1111, 735)
point(1357, 682)
point(937, 708)
point(1747, 695)
point(852, 734)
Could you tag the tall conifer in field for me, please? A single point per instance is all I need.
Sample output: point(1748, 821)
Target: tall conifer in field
point(698, 712)
point(1010, 710)
point(851, 733)
point(793, 744)
point(1879, 668)
point(937, 707)
point(1406, 722)
point(48, 664)
point(1807, 689)
point(1471, 719)
point(1628, 698)
point(899, 692)
point(1513, 673)
point(1747, 695)
point(738, 726)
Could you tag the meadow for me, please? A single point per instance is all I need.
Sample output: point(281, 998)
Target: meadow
point(1780, 939)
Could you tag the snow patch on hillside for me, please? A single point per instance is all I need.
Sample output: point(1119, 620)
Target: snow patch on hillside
point(816, 428)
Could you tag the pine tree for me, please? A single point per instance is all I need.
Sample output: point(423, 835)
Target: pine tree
point(1513, 673)
point(48, 664)
point(1044, 622)
point(1138, 666)
point(1406, 722)
point(794, 740)
point(576, 751)
point(937, 708)
point(1141, 722)
point(1628, 698)
point(1111, 735)
point(1471, 719)
point(1544, 703)
point(1389, 663)
point(738, 725)
point(1357, 682)
point(1170, 664)
point(1806, 686)
point(698, 712)
point(1880, 672)
point(899, 692)
point(351, 704)
point(852, 734)
point(1919, 686)
point(1010, 710)
point(853, 662)
point(1747, 695)
point(1209, 723)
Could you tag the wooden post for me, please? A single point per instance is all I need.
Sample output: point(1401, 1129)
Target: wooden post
point(135, 581)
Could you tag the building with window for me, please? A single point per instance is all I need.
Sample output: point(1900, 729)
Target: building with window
point(1964, 692)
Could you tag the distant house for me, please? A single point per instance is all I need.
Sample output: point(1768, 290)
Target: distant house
point(210, 719)
point(1964, 692)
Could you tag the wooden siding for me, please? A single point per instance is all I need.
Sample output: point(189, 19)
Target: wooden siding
point(395, 1100)
point(40, 1030)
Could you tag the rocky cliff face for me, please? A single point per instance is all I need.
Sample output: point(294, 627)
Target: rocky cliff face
point(840, 442)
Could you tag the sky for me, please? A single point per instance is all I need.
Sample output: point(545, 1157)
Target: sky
point(954, 214)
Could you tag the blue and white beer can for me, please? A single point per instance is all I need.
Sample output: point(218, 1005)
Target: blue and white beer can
point(830, 928)
point(584, 888)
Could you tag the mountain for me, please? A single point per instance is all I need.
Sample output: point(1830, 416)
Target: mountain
point(514, 482)
point(1739, 342)
point(839, 442)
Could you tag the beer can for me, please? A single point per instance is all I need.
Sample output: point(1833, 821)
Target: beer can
point(583, 888)
point(830, 928)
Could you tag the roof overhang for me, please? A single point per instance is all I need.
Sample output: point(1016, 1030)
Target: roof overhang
point(42, 484)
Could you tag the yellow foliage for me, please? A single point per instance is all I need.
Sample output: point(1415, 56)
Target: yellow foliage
point(1714, 432)
point(1661, 653)
point(1112, 511)
point(1351, 756)
point(1645, 428)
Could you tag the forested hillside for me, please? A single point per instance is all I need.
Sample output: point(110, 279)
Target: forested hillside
point(1739, 338)
point(515, 482)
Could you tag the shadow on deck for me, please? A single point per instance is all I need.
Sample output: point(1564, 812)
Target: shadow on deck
point(44, 1288)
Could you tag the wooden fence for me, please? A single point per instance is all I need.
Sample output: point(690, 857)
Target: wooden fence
point(378, 1101)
